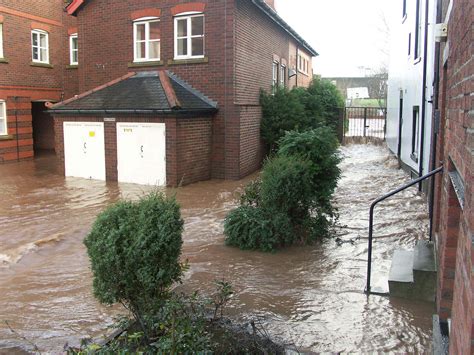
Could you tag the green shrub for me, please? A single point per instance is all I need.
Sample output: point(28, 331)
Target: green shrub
point(287, 187)
point(319, 146)
point(134, 248)
point(299, 109)
point(323, 102)
point(254, 228)
point(282, 111)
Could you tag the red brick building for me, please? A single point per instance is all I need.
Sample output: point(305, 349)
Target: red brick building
point(454, 213)
point(33, 70)
point(225, 51)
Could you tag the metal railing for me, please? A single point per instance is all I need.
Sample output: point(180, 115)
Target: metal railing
point(371, 220)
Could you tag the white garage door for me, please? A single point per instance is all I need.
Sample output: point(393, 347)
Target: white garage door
point(84, 150)
point(141, 153)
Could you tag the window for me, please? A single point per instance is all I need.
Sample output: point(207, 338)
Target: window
point(303, 64)
point(40, 46)
point(409, 44)
point(1, 40)
point(417, 50)
point(189, 37)
point(415, 133)
point(73, 50)
point(282, 75)
point(3, 118)
point(146, 34)
point(274, 76)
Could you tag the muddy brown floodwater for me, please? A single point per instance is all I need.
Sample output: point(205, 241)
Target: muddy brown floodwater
point(311, 297)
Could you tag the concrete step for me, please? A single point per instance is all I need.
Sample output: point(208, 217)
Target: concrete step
point(424, 271)
point(400, 280)
point(413, 273)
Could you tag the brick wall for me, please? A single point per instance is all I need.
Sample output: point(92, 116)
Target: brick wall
point(188, 145)
point(20, 81)
point(106, 52)
point(454, 223)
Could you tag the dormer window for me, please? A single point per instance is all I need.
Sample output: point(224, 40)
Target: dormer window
point(147, 41)
point(189, 36)
point(40, 46)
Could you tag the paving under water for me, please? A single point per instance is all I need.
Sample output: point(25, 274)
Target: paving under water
point(311, 297)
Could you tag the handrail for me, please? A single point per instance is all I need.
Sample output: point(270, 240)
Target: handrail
point(371, 218)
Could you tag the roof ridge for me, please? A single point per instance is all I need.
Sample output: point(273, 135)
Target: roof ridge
point(168, 89)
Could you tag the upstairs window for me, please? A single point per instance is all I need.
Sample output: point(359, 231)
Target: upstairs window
point(40, 46)
point(73, 50)
point(189, 36)
point(417, 51)
point(282, 75)
point(1, 40)
point(3, 118)
point(147, 41)
point(303, 64)
point(274, 77)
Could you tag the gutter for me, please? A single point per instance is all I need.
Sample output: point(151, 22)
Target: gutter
point(131, 111)
point(423, 96)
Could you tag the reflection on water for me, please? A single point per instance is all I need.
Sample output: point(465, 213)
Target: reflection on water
point(308, 296)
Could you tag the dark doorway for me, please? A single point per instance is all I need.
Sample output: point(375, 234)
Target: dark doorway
point(43, 128)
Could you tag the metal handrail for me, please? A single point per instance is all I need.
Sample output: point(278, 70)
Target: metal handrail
point(371, 218)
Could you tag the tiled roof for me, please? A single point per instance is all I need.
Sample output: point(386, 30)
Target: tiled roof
point(144, 92)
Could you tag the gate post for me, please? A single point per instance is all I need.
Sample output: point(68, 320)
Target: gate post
point(365, 121)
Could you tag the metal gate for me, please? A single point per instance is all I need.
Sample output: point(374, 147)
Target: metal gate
point(365, 122)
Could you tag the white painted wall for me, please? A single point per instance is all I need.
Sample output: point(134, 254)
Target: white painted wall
point(406, 75)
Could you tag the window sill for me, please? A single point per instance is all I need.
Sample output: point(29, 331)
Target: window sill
point(72, 66)
point(3, 60)
point(145, 64)
point(303, 73)
point(41, 65)
point(188, 61)
point(6, 137)
point(417, 60)
point(404, 18)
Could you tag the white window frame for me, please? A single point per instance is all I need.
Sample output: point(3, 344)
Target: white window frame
point(40, 33)
point(283, 75)
point(1, 40)
point(145, 21)
point(72, 49)
point(303, 64)
point(188, 16)
point(275, 69)
point(3, 117)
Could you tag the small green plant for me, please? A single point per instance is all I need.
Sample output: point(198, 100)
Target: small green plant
point(221, 297)
point(134, 248)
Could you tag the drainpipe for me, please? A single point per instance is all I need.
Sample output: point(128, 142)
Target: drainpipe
point(296, 66)
point(423, 96)
point(16, 127)
point(436, 122)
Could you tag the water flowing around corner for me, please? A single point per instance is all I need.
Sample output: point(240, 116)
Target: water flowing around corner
point(308, 296)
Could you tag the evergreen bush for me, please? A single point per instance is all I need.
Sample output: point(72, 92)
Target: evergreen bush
point(299, 109)
point(320, 147)
point(134, 248)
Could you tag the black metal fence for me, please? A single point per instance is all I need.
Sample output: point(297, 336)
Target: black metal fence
point(365, 122)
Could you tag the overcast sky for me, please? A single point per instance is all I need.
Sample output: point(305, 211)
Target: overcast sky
point(346, 33)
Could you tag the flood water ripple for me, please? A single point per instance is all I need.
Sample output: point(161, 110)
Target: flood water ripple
point(311, 297)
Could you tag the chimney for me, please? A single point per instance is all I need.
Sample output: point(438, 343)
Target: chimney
point(271, 3)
